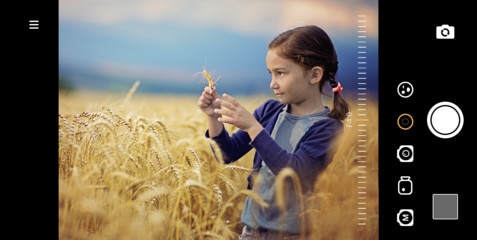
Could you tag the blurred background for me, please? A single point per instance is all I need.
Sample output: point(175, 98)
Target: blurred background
point(165, 44)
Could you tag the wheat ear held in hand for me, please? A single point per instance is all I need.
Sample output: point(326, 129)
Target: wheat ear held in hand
point(209, 79)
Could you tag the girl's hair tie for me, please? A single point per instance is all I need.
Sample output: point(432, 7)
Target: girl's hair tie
point(338, 88)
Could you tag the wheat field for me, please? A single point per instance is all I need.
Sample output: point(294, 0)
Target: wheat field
point(136, 166)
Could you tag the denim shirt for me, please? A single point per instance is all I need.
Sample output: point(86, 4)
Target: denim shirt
point(311, 154)
point(288, 131)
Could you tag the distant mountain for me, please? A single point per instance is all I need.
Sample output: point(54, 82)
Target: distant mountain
point(87, 76)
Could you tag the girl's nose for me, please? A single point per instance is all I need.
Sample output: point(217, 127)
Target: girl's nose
point(273, 84)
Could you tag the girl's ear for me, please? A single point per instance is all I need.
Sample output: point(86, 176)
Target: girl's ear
point(316, 75)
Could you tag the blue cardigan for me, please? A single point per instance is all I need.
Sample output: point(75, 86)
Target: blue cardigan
point(313, 153)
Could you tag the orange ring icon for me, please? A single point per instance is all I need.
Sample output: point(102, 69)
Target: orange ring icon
point(405, 121)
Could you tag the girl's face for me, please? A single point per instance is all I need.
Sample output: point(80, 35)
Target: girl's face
point(291, 83)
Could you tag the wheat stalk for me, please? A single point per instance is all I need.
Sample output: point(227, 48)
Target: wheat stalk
point(209, 79)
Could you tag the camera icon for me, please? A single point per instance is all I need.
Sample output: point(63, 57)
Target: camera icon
point(445, 32)
point(405, 153)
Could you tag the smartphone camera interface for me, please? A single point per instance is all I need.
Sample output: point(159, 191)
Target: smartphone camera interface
point(223, 119)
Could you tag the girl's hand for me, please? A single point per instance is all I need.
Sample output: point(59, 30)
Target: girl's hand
point(207, 102)
point(233, 113)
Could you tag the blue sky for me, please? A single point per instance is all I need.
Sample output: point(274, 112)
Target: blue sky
point(163, 44)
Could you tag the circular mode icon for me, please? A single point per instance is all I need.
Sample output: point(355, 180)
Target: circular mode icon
point(445, 120)
point(405, 89)
point(405, 217)
point(405, 121)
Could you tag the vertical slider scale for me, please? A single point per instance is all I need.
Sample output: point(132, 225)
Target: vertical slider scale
point(362, 121)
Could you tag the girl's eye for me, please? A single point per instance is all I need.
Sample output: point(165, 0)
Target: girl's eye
point(280, 73)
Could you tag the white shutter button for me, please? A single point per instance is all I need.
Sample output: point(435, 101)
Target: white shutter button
point(445, 119)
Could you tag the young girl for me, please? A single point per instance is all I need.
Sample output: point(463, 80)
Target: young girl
point(296, 132)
